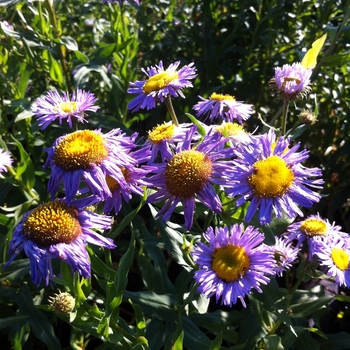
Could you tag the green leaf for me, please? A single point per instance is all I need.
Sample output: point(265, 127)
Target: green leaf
point(69, 43)
point(338, 341)
point(178, 345)
point(216, 343)
point(81, 57)
point(307, 307)
point(273, 342)
point(25, 168)
point(10, 321)
point(195, 121)
point(121, 278)
point(155, 305)
point(39, 323)
point(173, 240)
point(16, 269)
point(140, 320)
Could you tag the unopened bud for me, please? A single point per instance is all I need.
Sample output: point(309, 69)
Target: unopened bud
point(307, 117)
point(62, 303)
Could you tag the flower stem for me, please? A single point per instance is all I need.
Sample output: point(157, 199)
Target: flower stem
point(289, 300)
point(171, 111)
point(59, 47)
point(284, 117)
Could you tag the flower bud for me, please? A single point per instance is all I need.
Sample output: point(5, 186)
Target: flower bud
point(307, 117)
point(62, 303)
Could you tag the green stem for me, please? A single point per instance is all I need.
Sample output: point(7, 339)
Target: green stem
point(60, 50)
point(284, 117)
point(171, 111)
point(289, 300)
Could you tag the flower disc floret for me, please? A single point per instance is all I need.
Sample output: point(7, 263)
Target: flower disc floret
point(269, 173)
point(162, 132)
point(271, 177)
point(187, 172)
point(231, 263)
point(80, 149)
point(52, 223)
point(159, 81)
point(314, 227)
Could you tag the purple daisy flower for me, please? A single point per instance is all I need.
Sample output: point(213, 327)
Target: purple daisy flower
point(160, 85)
point(89, 156)
point(163, 139)
point(271, 176)
point(232, 264)
point(284, 254)
point(313, 230)
point(58, 230)
point(291, 81)
point(189, 175)
point(335, 256)
point(60, 106)
point(223, 106)
point(5, 160)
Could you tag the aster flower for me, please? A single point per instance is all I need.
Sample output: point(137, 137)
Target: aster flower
point(60, 106)
point(291, 81)
point(164, 138)
point(335, 256)
point(284, 254)
point(89, 156)
point(271, 176)
point(5, 160)
point(312, 230)
point(161, 84)
point(232, 264)
point(58, 230)
point(189, 175)
point(223, 106)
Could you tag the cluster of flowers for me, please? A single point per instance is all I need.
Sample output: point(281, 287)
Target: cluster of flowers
point(180, 164)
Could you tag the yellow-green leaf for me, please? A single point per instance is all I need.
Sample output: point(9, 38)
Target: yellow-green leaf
point(310, 58)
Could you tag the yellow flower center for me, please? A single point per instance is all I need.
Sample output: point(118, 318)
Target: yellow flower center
point(271, 177)
point(113, 184)
point(221, 97)
point(313, 227)
point(159, 81)
point(230, 263)
point(162, 132)
point(67, 107)
point(340, 258)
point(231, 130)
point(187, 172)
point(79, 150)
point(52, 223)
